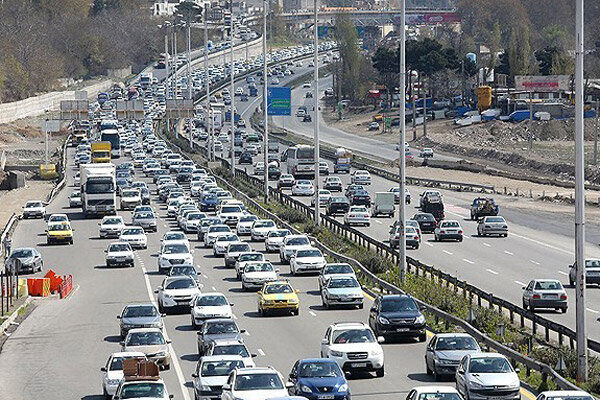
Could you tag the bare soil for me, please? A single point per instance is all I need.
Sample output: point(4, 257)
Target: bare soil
point(23, 142)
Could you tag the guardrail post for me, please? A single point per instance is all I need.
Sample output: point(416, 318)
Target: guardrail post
point(512, 316)
point(490, 302)
point(560, 338)
point(571, 343)
point(547, 334)
point(534, 327)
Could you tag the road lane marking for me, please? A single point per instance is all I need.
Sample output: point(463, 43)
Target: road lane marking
point(379, 222)
point(486, 244)
point(468, 261)
point(592, 311)
point(534, 262)
point(563, 273)
point(509, 253)
point(448, 252)
point(312, 313)
point(519, 283)
point(491, 271)
point(368, 296)
point(261, 352)
point(214, 288)
point(428, 244)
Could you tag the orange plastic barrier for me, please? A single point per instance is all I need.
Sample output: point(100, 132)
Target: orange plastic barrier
point(38, 286)
point(66, 286)
point(55, 280)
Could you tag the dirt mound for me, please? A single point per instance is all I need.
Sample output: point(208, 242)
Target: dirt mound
point(12, 133)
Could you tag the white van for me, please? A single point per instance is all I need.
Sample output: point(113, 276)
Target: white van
point(384, 204)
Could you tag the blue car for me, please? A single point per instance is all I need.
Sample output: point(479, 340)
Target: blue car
point(208, 202)
point(318, 379)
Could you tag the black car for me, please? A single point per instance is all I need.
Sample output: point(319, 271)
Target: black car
point(361, 198)
point(307, 118)
point(426, 221)
point(353, 188)
point(245, 158)
point(184, 174)
point(274, 172)
point(337, 205)
point(397, 315)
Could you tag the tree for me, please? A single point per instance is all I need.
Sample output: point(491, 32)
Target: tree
point(386, 62)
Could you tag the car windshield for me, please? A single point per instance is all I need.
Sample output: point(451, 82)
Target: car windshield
point(132, 231)
point(494, 219)
point(145, 338)
point(219, 229)
point(339, 200)
point(239, 247)
point(303, 183)
point(35, 203)
point(358, 209)
point(489, 365)
point(353, 336)
point(439, 396)
point(119, 247)
point(252, 257)
point(181, 284)
point(548, 285)
point(249, 218)
point(130, 193)
point(231, 209)
point(194, 216)
point(175, 248)
point(423, 217)
point(309, 253)
point(140, 311)
point(215, 328)
point(228, 238)
point(268, 381)
point(451, 224)
point(337, 269)
point(278, 288)
point(264, 224)
point(174, 236)
point(143, 216)
point(143, 390)
point(349, 282)
point(319, 370)
point(220, 368)
point(456, 343)
point(259, 267)
point(231, 350)
point(211, 300)
point(116, 364)
point(183, 270)
point(282, 233)
point(398, 305)
point(299, 241)
point(59, 227)
point(22, 253)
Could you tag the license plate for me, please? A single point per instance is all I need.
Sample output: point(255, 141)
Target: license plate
point(402, 329)
point(551, 296)
point(358, 365)
point(326, 396)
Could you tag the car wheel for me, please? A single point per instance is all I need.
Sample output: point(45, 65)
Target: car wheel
point(460, 239)
point(524, 305)
point(360, 306)
point(296, 311)
point(167, 367)
point(105, 394)
point(571, 283)
point(423, 337)
point(564, 310)
point(380, 372)
point(416, 247)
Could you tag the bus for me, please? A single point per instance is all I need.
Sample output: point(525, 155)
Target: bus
point(300, 161)
point(113, 137)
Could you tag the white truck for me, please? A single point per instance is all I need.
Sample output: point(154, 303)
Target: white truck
point(98, 189)
point(384, 204)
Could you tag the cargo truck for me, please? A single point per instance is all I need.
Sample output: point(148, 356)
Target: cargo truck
point(98, 189)
point(100, 152)
point(342, 160)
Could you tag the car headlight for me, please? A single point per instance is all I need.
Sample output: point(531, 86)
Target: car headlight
point(377, 352)
point(475, 385)
point(343, 388)
point(420, 319)
point(167, 296)
point(305, 389)
point(113, 382)
point(204, 388)
point(293, 301)
point(334, 353)
point(443, 361)
point(383, 320)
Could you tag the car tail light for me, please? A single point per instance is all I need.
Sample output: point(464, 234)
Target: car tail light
point(416, 238)
point(536, 296)
point(563, 296)
point(460, 232)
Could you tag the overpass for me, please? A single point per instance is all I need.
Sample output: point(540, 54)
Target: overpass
point(414, 16)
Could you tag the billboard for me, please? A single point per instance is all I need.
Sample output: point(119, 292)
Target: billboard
point(549, 83)
point(430, 18)
point(279, 100)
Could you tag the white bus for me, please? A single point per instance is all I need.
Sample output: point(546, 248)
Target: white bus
point(300, 161)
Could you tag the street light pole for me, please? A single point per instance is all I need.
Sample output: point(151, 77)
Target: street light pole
point(580, 199)
point(175, 61)
point(316, 116)
point(265, 105)
point(401, 205)
point(207, 115)
point(189, 74)
point(232, 90)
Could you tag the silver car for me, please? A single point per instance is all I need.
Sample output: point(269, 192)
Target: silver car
point(445, 350)
point(146, 220)
point(492, 225)
point(545, 293)
point(342, 291)
point(487, 376)
point(592, 272)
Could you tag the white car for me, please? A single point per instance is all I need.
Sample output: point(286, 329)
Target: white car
point(112, 372)
point(245, 258)
point(435, 392)
point(360, 177)
point(324, 196)
point(303, 187)
point(210, 305)
point(274, 240)
point(448, 229)
point(58, 218)
point(259, 168)
point(256, 273)
point(254, 384)
point(34, 209)
point(173, 237)
point(307, 260)
point(231, 214)
point(212, 373)
point(342, 291)
point(233, 251)
point(261, 228)
point(222, 242)
point(130, 198)
point(135, 236)
point(174, 254)
point(480, 373)
point(335, 270)
point(344, 340)
point(151, 342)
point(230, 347)
point(176, 292)
point(244, 224)
point(290, 244)
point(213, 232)
point(196, 188)
point(111, 226)
point(357, 215)
point(119, 254)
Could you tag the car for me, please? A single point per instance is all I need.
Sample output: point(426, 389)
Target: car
point(342, 291)
point(333, 183)
point(324, 196)
point(352, 188)
point(245, 258)
point(147, 220)
point(174, 254)
point(233, 347)
point(564, 395)
point(397, 315)
point(24, 259)
point(112, 372)
point(414, 224)
point(357, 215)
point(59, 232)
point(434, 392)
point(119, 254)
point(255, 273)
point(142, 387)
point(222, 242)
point(285, 181)
point(230, 214)
point(143, 315)
point(130, 198)
point(244, 224)
point(448, 229)
point(217, 329)
point(151, 342)
point(337, 205)
point(545, 293)
point(592, 272)
point(278, 296)
point(373, 126)
point(245, 158)
point(479, 374)
point(426, 152)
point(396, 191)
point(260, 229)
point(212, 373)
point(172, 237)
point(307, 259)
point(259, 168)
point(184, 270)
point(214, 231)
point(426, 222)
point(290, 244)
point(303, 187)
point(75, 199)
point(492, 225)
point(135, 236)
point(254, 383)
point(428, 195)
point(318, 378)
point(360, 177)
point(233, 251)
point(445, 350)
point(176, 292)
point(306, 118)
point(210, 305)
point(354, 347)
point(275, 239)
point(190, 223)
point(412, 237)
point(360, 197)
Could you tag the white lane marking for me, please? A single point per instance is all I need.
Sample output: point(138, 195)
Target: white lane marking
point(534, 262)
point(593, 311)
point(468, 261)
point(486, 244)
point(174, 358)
point(261, 352)
point(563, 273)
point(509, 253)
point(312, 313)
point(519, 283)
point(214, 288)
point(429, 244)
point(247, 333)
point(491, 271)
point(235, 316)
point(379, 222)
point(448, 252)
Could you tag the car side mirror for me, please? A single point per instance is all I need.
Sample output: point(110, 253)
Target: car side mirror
point(199, 333)
point(231, 304)
point(118, 317)
point(523, 287)
point(116, 397)
point(259, 293)
point(163, 315)
point(194, 375)
point(156, 291)
point(324, 341)
point(103, 369)
point(242, 331)
point(122, 343)
point(460, 371)
point(297, 291)
point(289, 385)
point(517, 370)
point(226, 386)
point(168, 341)
point(276, 269)
point(380, 339)
point(171, 396)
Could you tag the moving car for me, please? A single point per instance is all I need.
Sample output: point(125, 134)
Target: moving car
point(285, 181)
point(445, 350)
point(212, 373)
point(119, 254)
point(210, 305)
point(480, 376)
point(592, 272)
point(308, 260)
point(412, 238)
point(397, 315)
point(151, 342)
point(426, 221)
point(213, 232)
point(222, 242)
point(217, 329)
point(274, 240)
point(75, 199)
point(448, 229)
point(230, 347)
point(426, 152)
point(134, 316)
point(434, 392)
point(290, 244)
point(244, 224)
point(112, 372)
point(173, 254)
point(175, 237)
point(545, 293)
point(233, 251)
point(255, 273)
point(34, 209)
point(261, 228)
point(342, 291)
point(176, 292)
point(130, 198)
point(324, 196)
point(59, 232)
point(492, 225)
point(333, 183)
point(334, 270)
point(278, 296)
point(360, 177)
point(254, 383)
point(24, 259)
point(337, 205)
point(357, 215)
point(303, 187)
point(147, 220)
point(135, 236)
point(318, 378)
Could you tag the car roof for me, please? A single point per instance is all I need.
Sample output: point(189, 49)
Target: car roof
point(348, 325)
point(436, 389)
point(255, 370)
point(140, 330)
point(485, 355)
point(128, 354)
point(223, 357)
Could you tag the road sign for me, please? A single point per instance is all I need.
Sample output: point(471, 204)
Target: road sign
point(81, 95)
point(179, 108)
point(550, 83)
point(130, 109)
point(279, 100)
point(51, 125)
point(74, 109)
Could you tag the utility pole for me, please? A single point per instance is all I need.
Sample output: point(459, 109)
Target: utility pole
point(232, 90)
point(596, 132)
point(316, 116)
point(424, 109)
point(207, 115)
point(166, 25)
point(175, 60)
point(401, 205)
point(170, 86)
point(265, 105)
point(582, 363)
point(189, 74)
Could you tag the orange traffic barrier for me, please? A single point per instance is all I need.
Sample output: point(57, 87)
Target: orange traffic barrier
point(55, 280)
point(38, 286)
point(66, 286)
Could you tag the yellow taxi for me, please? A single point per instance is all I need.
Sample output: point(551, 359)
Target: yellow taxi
point(278, 296)
point(59, 232)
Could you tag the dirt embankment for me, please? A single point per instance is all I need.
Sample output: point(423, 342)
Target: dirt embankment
point(23, 142)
